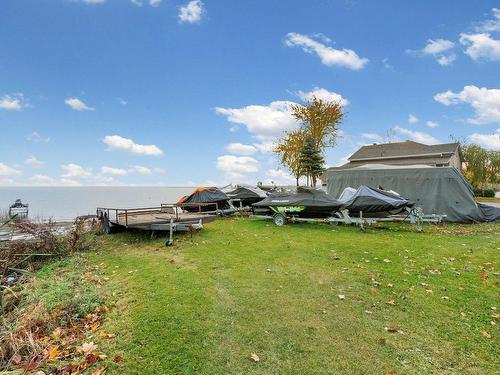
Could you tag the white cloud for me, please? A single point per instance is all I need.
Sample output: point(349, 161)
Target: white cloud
point(113, 171)
point(488, 141)
point(432, 124)
point(40, 179)
point(260, 120)
point(141, 170)
point(446, 60)
point(280, 177)
point(36, 137)
point(122, 101)
point(265, 147)
point(75, 171)
point(417, 136)
point(437, 46)
point(412, 119)
point(192, 12)
point(140, 3)
point(481, 46)
point(78, 105)
point(4, 181)
point(373, 137)
point(486, 103)
point(236, 167)
point(12, 102)
point(440, 49)
point(68, 182)
point(268, 121)
point(5, 170)
point(329, 56)
point(118, 143)
point(492, 25)
point(241, 149)
point(323, 94)
point(33, 162)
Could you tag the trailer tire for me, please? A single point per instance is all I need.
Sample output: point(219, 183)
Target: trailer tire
point(279, 219)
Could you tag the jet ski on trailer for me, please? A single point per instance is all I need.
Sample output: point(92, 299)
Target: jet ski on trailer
point(362, 206)
point(305, 203)
point(371, 201)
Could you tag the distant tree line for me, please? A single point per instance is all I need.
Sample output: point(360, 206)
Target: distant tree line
point(482, 167)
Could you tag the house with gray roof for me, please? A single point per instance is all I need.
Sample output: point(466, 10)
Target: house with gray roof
point(407, 153)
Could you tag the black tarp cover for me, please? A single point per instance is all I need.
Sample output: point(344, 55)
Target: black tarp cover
point(207, 195)
point(246, 192)
point(308, 201)
point(371, 200)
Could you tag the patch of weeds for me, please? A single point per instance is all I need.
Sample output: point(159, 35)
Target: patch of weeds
point(62, 286)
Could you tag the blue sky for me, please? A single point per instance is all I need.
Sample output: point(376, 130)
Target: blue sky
point(176, 92)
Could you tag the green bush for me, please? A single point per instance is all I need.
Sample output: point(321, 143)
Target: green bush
point(486, 193)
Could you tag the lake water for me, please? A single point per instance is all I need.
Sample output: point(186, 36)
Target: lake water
point(66, 203)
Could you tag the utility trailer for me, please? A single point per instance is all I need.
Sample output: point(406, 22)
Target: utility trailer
point(166, 218)
point(413, 215)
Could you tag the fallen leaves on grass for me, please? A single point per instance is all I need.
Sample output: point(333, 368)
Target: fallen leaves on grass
point(394, 330)
point(254, 357)
point(341, 297)
point(87, 347)
point(485, 334)
point(391, 302)
point(117, 358)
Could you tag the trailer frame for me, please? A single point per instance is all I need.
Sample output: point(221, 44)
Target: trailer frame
point(413, 215)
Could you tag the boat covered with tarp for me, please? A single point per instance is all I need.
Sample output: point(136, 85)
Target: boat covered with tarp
point(244, 195)
point(306, 202)
point(436, 190)
point(367, 199)
point(205, 199)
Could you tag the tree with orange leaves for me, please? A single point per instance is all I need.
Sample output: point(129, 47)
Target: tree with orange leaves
point(289, 149)
point(319, 119)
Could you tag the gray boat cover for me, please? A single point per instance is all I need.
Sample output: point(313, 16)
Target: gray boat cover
point(373, 200)
point(437, 190)
point(246, 192)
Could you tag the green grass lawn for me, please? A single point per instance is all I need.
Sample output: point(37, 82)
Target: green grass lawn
point(486, 200)
point(240, 287)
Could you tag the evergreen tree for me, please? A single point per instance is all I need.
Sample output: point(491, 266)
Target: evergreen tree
point(311, 161)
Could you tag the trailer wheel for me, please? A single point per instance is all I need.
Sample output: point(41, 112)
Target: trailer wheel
point(279, 220)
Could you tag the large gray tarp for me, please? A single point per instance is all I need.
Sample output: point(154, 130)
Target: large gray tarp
point(437, 190)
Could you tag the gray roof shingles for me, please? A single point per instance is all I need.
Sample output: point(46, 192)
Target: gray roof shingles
point(403, 149)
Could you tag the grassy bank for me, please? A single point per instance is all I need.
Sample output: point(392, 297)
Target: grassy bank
point(486, 200)
point(301, 299)
point(243, 287)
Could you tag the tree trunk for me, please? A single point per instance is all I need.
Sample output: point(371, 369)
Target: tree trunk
point(297, 180)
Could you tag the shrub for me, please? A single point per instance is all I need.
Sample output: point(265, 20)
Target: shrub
point(486, 193)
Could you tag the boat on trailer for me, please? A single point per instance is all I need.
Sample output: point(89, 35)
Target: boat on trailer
point(305, 203)
point(362, 206)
